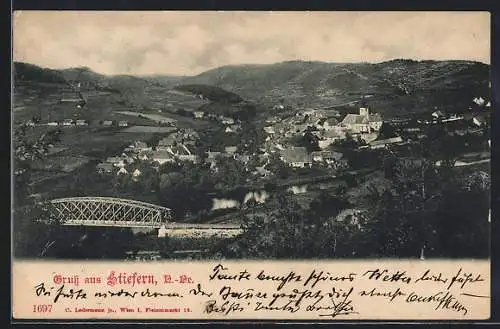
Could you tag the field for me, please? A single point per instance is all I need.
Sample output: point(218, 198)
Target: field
point(149, 130)
point(153, 117)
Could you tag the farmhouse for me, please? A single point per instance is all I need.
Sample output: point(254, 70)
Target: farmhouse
point(68, 122)
point(167, 142)
point(227, 121)
point(233, 128)
point(269, 130)
point(115, 161)
point(230, 150)
point(297, 157)
point(329, 124)
point(384, 142)
point(143, 155)
point(326, 156)
point(162, 156)
point(198, 114)
point(104, 168)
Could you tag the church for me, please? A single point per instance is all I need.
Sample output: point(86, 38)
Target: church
point(362, 123)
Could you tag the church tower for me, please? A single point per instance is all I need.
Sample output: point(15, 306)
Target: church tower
point(364, 111)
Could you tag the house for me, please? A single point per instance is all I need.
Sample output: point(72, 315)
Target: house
point(330, 136)
point(326, 156)
point(227, 121)
point(138, 146)
point(278, 107)
point(230, 150)
point(127, 159)
point(53, 123)
point(105, 168)
point(299, 129)
point(437, 114)
point(269, 130)
point(107, 123)
point(122, 171)
point(182, 152)
point(272, 120)
point(329, 123)
point(277, 146)
point(81, 123)
point(212, 159)
point(167, 142)
point(115, 161)
point(304, 113)
point(297, 157)
point(477, 121)
point(479, 101)
point(316, 116)
point(67, 122)
point(243, 158)
point(261, 171)
point(136, 173)
point(122, 124)
point(189, 157)
point(453, 117)
point(233, 128)
point(162, 156)
point(144, 156)
point(384, 142)
point(179, 149)
point(213, 155)
point(198, 114)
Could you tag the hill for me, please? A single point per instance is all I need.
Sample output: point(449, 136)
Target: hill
point(393, 87)
point(29, 72)
point(212, 93)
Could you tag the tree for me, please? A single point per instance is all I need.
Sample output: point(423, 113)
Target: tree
point(32, 237)
point(387, 131)
point(282, 229)
point(426, 211)
point(230, 173)
point(153, 141)
point(271, 232)
point(278, 167)
point(310, 141)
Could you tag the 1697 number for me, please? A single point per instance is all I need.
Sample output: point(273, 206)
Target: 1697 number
point(42, 308)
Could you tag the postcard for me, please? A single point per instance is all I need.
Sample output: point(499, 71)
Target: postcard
point(219, 165)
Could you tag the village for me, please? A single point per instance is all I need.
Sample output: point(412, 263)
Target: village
point(284, 139)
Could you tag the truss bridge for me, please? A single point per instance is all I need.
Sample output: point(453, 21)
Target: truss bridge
point(107, 211)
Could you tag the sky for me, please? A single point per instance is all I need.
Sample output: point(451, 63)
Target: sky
point(190, 42)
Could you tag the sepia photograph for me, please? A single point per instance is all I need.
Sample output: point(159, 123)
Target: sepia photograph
point(219, 135)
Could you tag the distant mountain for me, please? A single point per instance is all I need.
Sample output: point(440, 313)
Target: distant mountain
point(212, 93)
point(392, 87)
point(29, 72)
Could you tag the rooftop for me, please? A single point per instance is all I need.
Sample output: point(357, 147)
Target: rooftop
point(296, 154)
point(161, 155)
